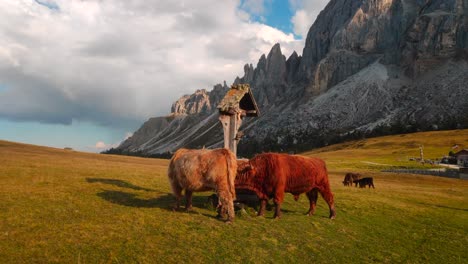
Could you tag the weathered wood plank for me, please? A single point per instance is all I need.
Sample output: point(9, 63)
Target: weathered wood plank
point(232, 134)
point(225, 119)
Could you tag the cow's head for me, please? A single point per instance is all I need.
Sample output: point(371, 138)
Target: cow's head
point(245, 170)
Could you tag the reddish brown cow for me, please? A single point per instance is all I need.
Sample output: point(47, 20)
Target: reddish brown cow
point(270, 175)
point(203, 170)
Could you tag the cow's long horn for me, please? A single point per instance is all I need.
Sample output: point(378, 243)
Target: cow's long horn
point(251, 166)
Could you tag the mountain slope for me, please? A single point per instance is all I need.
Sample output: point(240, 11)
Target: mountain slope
point(368, 67)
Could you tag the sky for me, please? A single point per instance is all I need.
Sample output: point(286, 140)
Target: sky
point(86, 74)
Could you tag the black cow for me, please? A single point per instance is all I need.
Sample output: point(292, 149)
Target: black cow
point(368, 181)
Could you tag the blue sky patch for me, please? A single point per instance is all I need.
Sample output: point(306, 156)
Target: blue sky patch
point(61, 136)
point(274, 13)
point(48, 3)
point(3, 87)
point(279, 16)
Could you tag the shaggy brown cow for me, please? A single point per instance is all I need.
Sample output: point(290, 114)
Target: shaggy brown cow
point(203, 170)
point(270, 175)
point(350, 178)
point(364, 182)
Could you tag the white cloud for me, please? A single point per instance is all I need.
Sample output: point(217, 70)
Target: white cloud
point(306, 11)
point(255, 7)
point(119, 62)
point(100, 145)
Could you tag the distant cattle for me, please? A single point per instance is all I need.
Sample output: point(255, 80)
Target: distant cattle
point(203, 170)
point(350, 178)
point(368, 181)
point(270, 175)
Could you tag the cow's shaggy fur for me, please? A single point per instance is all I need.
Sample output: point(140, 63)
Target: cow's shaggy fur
point(203, 170)
point(270, 175)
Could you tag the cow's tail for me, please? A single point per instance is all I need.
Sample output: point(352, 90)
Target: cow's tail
point(231, 172)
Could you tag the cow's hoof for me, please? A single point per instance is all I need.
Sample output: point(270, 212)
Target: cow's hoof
point(333, 215)
point(220, 216)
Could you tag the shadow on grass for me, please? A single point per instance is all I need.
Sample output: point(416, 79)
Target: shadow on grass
point(118, 183)
point(445, 207)
point(165, 201)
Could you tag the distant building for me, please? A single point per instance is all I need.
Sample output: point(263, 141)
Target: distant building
point(462, 157)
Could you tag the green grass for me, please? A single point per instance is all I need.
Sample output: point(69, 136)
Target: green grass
point(60, 206)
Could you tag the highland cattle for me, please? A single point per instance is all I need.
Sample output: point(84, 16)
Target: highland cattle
point(270, 175)
point(203, 170)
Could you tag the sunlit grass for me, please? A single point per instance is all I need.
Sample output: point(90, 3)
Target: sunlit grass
point(71, 207)
point(392, 151)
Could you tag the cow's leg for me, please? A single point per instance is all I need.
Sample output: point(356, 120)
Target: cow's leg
point(312, 195)
point(177, 191)
point(278, 200)
point(222, 212)
point(227, 203)
point(328, 197)
point(277, 210)
point(261, 211)
point(188, 200)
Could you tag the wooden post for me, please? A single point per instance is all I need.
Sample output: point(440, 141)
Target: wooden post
point(231, 125)
point(225, 121)
point(421, 153)
point(232, 134)
point(236, 104)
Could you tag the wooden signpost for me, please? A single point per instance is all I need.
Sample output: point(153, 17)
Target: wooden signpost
point(236, 104)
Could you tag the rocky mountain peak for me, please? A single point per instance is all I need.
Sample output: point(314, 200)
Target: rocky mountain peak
point(191, 104)
point(201, 101)
point(292, 66)
point(276, 64)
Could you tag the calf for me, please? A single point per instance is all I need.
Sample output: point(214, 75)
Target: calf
point(368, 181)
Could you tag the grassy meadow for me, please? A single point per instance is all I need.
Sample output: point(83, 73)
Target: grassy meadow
point(59, 206)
